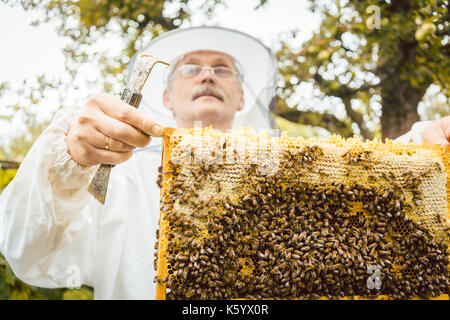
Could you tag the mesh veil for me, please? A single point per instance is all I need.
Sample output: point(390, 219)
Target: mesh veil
point(257, 61)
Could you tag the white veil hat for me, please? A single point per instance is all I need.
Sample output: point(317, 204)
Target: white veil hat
point(259, 67)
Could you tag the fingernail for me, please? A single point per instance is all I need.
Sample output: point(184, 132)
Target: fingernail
point(157, 130)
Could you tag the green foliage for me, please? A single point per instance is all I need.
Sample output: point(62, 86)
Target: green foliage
point(20, 145)
point(84, 293)
point(28, 98)
point(435, 104)
point(364, 64)
point(6, 175)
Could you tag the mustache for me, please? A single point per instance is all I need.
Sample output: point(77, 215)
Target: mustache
point(207, 90)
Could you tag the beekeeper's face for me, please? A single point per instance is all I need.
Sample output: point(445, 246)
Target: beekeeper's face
point(211, 95)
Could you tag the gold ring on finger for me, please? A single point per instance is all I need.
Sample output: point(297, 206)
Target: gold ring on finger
point(107, 142)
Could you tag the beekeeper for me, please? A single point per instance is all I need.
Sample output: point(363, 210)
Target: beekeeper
point(55, 234)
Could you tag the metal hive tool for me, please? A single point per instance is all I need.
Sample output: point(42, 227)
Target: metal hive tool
point(245, 215)
point(131, 95)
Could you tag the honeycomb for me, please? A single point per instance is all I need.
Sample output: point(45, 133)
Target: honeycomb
point(246, 215)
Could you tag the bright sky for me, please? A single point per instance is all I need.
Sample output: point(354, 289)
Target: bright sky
point(27, 51)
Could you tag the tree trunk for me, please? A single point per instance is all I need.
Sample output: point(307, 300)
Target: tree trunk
point(399, 97)
point(399, 110)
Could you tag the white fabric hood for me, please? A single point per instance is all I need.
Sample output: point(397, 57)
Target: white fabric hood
point(258, 63)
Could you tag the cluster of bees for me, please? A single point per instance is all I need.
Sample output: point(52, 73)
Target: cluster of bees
point(286, 238)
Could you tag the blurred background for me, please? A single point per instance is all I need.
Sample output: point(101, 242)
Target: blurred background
point(365, 68)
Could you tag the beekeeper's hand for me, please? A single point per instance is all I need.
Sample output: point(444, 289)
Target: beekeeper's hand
point(438, 131)
point(108, 130)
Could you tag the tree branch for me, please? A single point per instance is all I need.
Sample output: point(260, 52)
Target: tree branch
point(4, 164)
point(357, 118)
point(341, 92)
point(324, 120)
point(346, 94)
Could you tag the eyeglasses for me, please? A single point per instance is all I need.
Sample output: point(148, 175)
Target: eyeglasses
point(193, 70)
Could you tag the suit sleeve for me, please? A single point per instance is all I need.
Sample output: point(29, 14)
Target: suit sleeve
point(415, 134)
point(47, 227)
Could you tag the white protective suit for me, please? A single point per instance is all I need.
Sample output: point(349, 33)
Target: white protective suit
point(55, 234)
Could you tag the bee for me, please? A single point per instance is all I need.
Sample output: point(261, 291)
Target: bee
point(219, 186)
point(438, 217)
